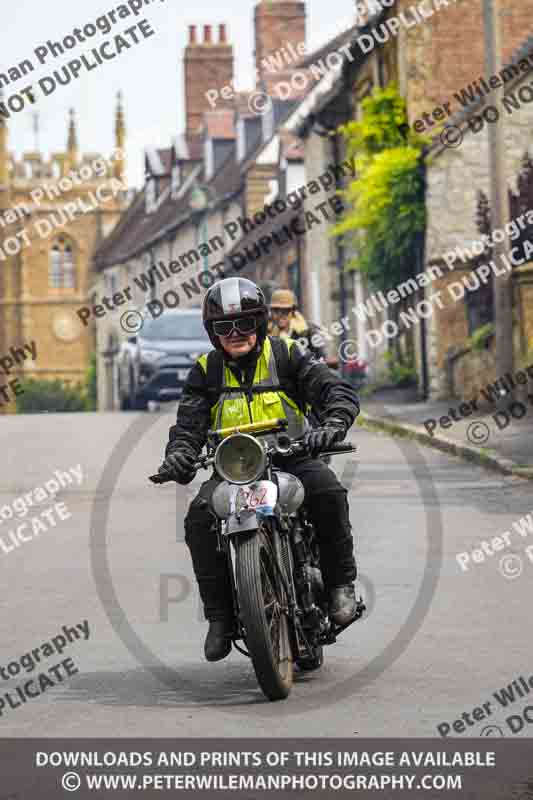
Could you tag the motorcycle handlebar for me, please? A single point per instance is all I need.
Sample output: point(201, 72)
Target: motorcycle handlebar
point(203, 462)
point(297, 447)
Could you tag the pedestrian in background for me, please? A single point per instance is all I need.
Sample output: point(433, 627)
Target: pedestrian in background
point(288, 323)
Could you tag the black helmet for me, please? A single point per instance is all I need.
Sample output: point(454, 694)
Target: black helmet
point(231, 298)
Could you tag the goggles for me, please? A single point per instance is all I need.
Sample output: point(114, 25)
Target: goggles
point(243, 325)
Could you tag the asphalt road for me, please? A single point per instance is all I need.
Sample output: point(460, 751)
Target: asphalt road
point(437, 641)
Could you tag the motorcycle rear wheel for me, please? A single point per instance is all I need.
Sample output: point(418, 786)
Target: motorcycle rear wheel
point(260, 602)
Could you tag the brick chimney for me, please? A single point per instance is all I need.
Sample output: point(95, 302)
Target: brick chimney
point(208, 66)
point(278, 23)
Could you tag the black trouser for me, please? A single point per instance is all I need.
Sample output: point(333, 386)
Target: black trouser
point(327, 504)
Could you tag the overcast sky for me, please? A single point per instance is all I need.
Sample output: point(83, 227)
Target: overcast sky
point(149, 74)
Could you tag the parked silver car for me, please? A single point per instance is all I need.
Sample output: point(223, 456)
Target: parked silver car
point(155, 364)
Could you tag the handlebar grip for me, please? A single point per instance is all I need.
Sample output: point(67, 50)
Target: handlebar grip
point(160, 478)
point(343, 448)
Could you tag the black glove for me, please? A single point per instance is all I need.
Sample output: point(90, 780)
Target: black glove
point(179, 465)
point(321, 439)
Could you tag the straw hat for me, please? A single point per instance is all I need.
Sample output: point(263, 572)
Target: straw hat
point(283, 298)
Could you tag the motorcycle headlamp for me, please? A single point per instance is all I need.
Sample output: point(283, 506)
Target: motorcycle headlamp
point(240, 459)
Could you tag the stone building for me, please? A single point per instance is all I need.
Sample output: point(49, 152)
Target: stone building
point(53, 213)
point(437, 62)
point(459, 217)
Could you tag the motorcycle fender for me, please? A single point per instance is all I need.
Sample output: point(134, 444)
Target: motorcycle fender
point(248, 522)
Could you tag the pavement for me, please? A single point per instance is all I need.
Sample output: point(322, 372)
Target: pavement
point(437, 642)
point(491, 437)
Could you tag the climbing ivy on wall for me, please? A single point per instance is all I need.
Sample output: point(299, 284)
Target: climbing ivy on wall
point(385, 215)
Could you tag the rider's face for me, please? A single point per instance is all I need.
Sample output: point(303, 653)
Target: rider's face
point(238, 344)
point(281, 317)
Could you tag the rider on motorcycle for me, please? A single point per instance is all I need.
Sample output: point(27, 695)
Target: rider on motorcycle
point(251, 377)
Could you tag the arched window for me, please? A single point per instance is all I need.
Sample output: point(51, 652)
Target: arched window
point(62, 269)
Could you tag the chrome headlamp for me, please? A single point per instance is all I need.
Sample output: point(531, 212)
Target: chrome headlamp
point(240, 459)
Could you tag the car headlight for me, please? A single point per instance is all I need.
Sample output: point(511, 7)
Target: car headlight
point(151, 355)
point(240, 459)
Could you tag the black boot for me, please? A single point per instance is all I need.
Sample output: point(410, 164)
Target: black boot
point(342, 604)
point(218, 640)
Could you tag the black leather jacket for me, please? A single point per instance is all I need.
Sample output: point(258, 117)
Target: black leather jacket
point(302, 377)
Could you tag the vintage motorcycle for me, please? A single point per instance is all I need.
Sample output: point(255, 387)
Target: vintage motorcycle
point(259, 518)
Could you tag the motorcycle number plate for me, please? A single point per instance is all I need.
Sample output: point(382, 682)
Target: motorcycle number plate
point(254, 496)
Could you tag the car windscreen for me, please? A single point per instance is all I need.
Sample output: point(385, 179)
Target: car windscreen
point(174, 326)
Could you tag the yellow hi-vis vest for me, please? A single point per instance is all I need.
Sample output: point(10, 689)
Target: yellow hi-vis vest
point(268, 401)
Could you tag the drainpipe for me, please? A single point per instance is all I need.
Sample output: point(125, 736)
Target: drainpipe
point(341, 255)
point(421, 258)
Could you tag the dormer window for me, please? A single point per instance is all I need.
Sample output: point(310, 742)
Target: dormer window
point(241, 139)
point(176, 180)
point(151, 195)
point(268, 124)
point(209, 158)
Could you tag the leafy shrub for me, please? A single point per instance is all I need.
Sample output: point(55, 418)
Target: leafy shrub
point(52, 396)
point(400, 374)
point(91, 383)
point(386, 208)
point(480, 338)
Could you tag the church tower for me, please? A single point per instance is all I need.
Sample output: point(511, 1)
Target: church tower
point(120, 139)
point(52, 216)
point(4, 161)
point(72, 142)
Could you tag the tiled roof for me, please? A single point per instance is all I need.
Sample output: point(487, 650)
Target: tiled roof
point(331, 46)
point(271, 224)
point(166, 159)
point(188, 148)
point(137, 230)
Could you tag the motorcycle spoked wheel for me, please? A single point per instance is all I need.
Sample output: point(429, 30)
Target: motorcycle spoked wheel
point(260, 603)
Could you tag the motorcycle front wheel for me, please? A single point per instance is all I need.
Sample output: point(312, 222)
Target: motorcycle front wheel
point(261, 604)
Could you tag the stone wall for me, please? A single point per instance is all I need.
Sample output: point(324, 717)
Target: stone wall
point(445, 54)
point(454, 178)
